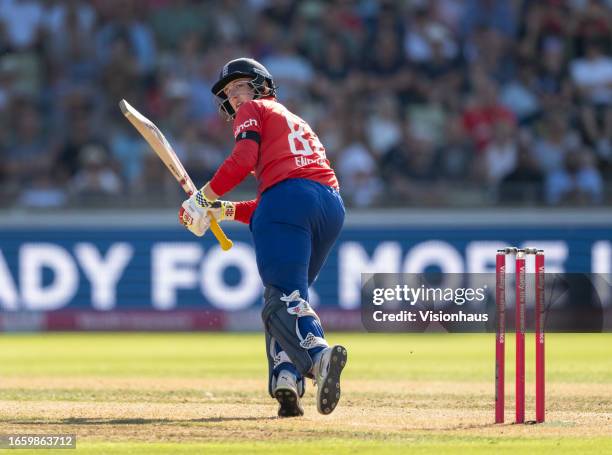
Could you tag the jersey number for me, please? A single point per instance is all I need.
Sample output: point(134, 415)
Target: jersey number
point(299, 136)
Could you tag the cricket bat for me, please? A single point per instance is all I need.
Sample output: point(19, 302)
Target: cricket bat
point(165, 152)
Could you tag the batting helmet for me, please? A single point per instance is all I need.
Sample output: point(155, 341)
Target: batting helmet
point(243, 67)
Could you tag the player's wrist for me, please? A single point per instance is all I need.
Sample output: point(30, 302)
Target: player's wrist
point(206, 198)
point(221, 210)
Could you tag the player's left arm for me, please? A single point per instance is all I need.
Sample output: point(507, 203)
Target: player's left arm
point(242, 160)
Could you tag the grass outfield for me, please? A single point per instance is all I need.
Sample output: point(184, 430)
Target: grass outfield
point(206, 393)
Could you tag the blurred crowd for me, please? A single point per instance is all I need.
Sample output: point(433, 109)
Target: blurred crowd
point(418, 102)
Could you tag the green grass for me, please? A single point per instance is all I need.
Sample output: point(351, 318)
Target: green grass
point(135, 355)
point(415, 359)
point(570, 357)
point(418, 445)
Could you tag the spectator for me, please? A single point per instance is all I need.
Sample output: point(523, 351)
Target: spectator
point(333, 67)
point(385, 17)
point(544, 21)
point(292, 72)
point(43, 193)
point(554, 142)
point(577, 183)
point(552, 81)
point(232, 21)
point(456, 153)
point(27, 154)
point(487, 49)
point(23, 72)
point(200, 154)
point(592, 76)
point(450, 13)
point(442, 72)
point(386, 68)
point(591, 21)
point(357, 172)
point(494, 14)
point(120, 74)
point(95, 181)
point(525, 183)
point(427, 120)
point(501, 154)
point(5, 44)
point(411, 172)
point(520, 94)
point(127, 149)
point(330, 126)
point(135, 35)
point(483, 111)
point(67, 160)
point(424, 34)
point(8, 76)
point(264, 42)
point(280, 12)
point(22, 21)
point(349, 23)
point(171, 22)
point(155, 185)
point(70, 27)
point(383, 124)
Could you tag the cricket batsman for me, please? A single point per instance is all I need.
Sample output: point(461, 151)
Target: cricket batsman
point(295, 220)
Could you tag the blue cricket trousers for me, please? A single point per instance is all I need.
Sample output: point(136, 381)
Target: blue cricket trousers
point(294, 228)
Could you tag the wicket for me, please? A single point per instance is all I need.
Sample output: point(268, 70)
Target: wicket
point(500, 337)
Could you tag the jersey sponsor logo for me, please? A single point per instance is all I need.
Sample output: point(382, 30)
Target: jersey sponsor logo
point(245, 125)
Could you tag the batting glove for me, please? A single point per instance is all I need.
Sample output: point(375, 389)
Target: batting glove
point(221, 210)
point(195, 212)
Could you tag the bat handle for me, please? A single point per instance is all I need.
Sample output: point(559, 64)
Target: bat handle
point(225, 243)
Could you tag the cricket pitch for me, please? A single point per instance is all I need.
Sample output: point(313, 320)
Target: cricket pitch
point(207, 393)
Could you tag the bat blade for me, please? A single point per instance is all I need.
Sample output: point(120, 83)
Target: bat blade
point(160, 145)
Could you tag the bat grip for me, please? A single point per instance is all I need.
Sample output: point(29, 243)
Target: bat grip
point(225, 243)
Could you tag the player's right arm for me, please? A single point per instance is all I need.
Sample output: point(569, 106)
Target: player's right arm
point(240, 163)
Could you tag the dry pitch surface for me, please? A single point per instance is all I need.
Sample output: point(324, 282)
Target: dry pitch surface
point(206, 393)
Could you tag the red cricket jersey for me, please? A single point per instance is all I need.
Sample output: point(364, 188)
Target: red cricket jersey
point(275, 145)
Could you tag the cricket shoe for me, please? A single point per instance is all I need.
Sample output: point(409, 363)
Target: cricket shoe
point(286, 393)
point(327, 376)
